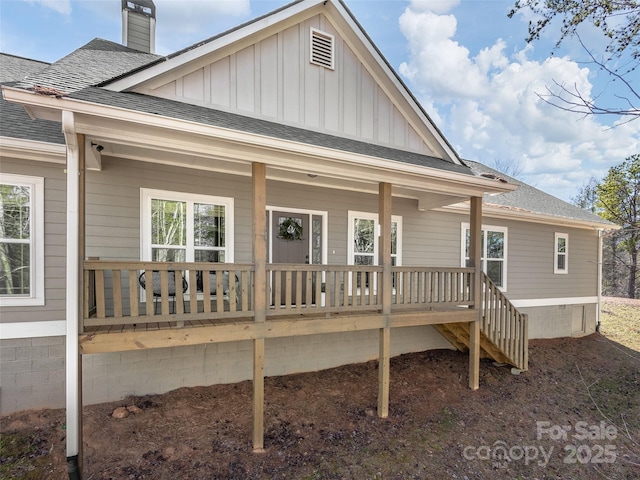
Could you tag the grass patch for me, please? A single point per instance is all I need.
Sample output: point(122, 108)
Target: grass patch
point(620, 322)
point(19, 454)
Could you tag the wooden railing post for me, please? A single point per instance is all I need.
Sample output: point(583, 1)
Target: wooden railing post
point(475, 256)
point(384, 259)
point(259, 183)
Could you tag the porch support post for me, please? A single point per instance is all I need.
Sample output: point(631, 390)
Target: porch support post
point(74, 289)
point(384, 259)
point(475, 259)
point(259, 183)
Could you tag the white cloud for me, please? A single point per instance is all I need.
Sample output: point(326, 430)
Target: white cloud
point(489, 106)
point(60, 6)
point(433, 52)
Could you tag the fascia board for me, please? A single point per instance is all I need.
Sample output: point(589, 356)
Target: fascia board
point(530, 217)
point(32, 150)
point(391, 76)
point(414, 176)
point(156, 75)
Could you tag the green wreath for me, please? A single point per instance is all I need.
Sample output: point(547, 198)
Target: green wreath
point(290, 230)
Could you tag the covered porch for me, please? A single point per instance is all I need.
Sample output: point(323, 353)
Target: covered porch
point(110, 309)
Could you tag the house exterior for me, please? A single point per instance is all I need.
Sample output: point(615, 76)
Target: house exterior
point(271, 200)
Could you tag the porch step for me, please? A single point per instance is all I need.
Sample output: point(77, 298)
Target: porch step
point(458, 335)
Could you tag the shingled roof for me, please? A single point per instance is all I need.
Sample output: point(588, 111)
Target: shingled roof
point(531, 200)
point(14, 120)
point(96, 62)
point(210, 116)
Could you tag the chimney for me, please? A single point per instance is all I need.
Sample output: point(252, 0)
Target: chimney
point(139, 25)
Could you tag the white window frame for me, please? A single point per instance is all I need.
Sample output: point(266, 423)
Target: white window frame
point(146, 195)
point(556, 254)
point(486, 228)
point(36, 241)
point(353, 215)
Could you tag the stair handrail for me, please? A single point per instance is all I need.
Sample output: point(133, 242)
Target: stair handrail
point(503, 324)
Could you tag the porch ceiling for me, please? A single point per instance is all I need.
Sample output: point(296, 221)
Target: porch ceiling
point(156, 138)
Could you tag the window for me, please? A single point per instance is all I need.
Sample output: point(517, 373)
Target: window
point(182, 227)
point(21, 240)
point(561, 248)
point(363, 239)
point(321, 49)
point(494, 252)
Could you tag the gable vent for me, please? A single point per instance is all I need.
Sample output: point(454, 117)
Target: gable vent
point(321, 49)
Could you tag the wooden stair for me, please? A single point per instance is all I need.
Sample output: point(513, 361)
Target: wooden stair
point(503, 329)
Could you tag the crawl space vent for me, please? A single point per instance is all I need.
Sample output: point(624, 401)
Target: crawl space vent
point(321, 49)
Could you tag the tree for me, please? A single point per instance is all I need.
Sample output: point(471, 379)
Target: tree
point(619, 202)
point(619, 21)
point(587, 196)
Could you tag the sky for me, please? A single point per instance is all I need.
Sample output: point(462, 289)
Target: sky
point(465, 61)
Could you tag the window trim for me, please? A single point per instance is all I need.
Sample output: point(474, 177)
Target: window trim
point(352, 215)
point(147, 194)
point(36, 274)
point(486, 228)
point(556, 254)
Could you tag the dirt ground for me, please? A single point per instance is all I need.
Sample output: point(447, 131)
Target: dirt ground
point(574, 415)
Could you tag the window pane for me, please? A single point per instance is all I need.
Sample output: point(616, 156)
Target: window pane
point(561, 261)
point(168, 255)
point(494, 271)
point(394, 238)
point(15, 271)
point(316, 239)
point(363, 236)
point(495, 244)
point(209, 225)
point(363, 260)
point(15, 212)
point(209, 256)
point(562, 245)
point(168, 222)
point(467, 242)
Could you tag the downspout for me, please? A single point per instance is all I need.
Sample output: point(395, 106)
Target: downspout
point(600, 258)
point(72, 360)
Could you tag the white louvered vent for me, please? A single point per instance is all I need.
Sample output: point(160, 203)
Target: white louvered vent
point(321, 49)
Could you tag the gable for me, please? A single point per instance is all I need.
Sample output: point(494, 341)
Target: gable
point(264, 69)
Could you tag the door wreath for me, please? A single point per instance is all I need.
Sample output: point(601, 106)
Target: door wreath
point(290, 230)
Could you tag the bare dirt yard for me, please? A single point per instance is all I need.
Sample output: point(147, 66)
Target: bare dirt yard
point(574, 415)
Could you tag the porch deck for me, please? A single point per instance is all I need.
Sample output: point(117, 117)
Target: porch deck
point(119, 314)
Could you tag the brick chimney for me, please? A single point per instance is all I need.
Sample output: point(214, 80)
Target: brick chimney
point(139, 25)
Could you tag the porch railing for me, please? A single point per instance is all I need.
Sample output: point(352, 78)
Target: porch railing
point(170, 294)
point(504, 325)
point(156, 292)
point(432, 287)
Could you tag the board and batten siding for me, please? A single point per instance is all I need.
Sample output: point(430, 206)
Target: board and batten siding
point(274, 79)
point(55, 203)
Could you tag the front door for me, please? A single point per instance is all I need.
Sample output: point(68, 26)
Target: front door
point(290, 243)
